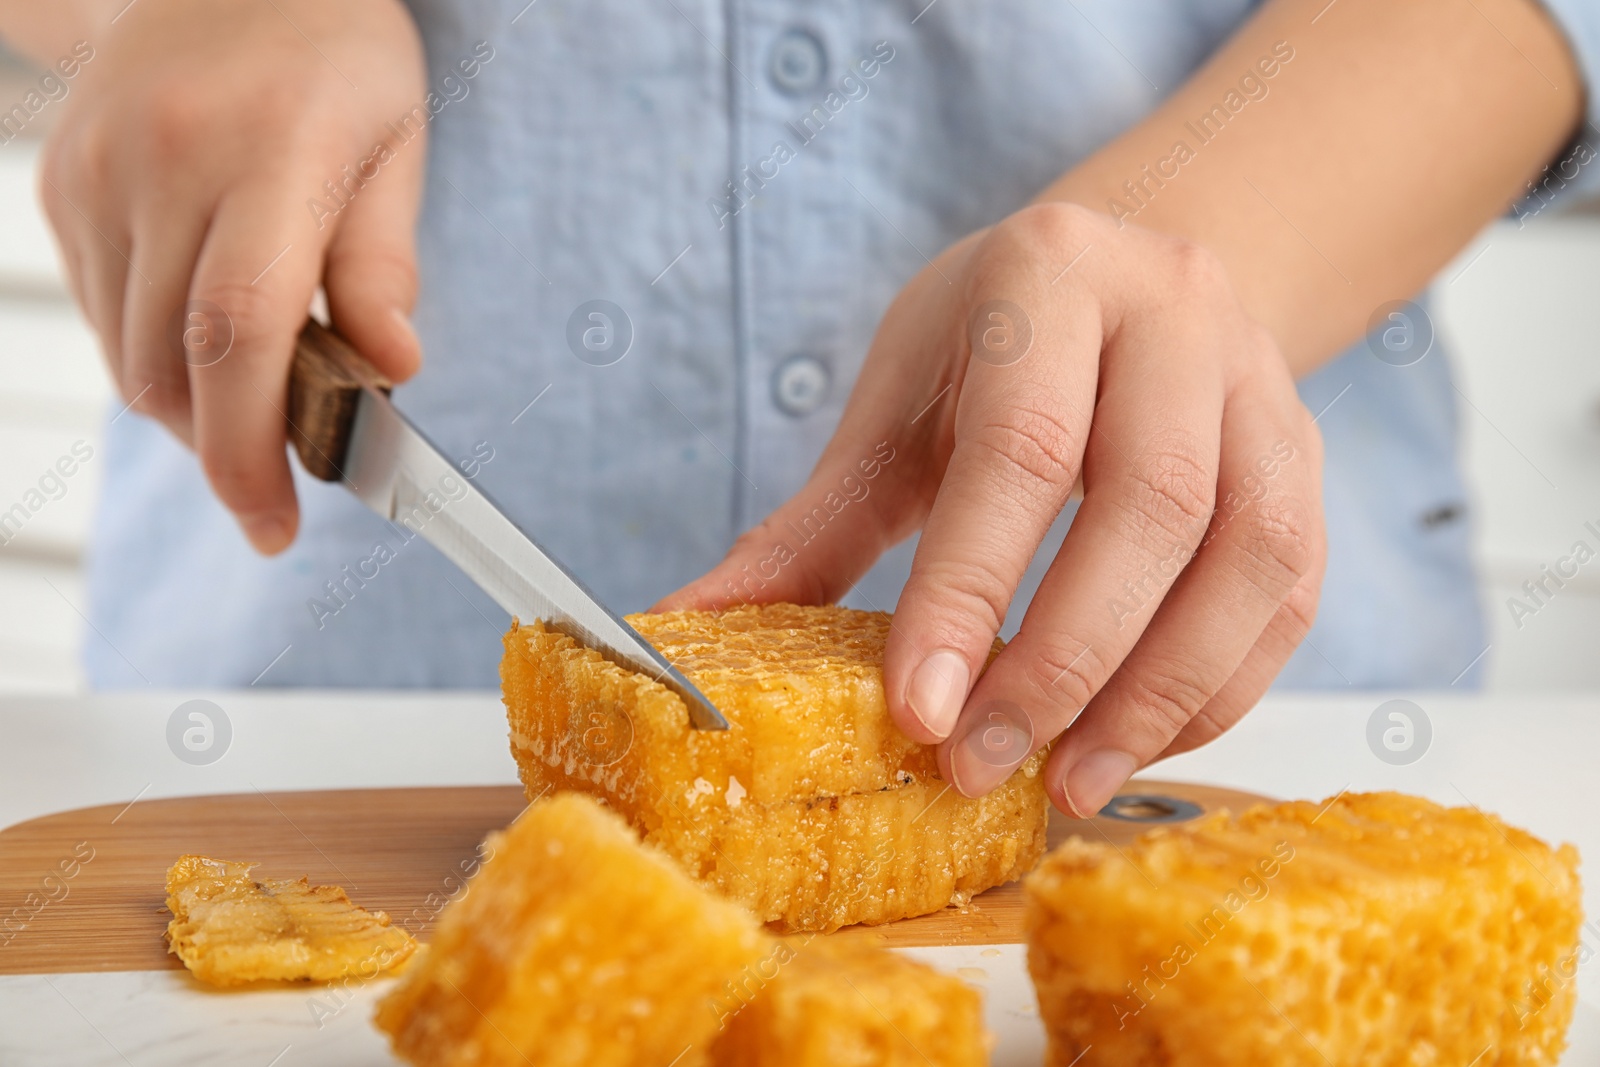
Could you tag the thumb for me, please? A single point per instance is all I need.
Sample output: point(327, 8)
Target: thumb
point(371, 269)
point(814, 547)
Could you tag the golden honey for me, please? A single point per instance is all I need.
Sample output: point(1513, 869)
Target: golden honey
point(813, 810)
point(1379, 929)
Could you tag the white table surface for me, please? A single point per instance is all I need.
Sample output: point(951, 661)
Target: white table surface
point(1532, 760)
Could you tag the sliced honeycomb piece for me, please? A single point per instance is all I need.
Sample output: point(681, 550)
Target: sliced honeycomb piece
point(229, 929)
point(813, 810)
point(842, 1001)
point(574, 946)
point(1377, 929)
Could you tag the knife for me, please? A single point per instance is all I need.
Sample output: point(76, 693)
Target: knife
point(346, 430)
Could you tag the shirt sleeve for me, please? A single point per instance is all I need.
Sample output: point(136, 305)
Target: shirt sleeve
point(1575, 172)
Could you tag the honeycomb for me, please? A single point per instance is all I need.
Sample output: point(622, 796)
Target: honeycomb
point(844, 1002)
point(1376, 929)
point(229, 929)
point(573, 947)
point(813, 810)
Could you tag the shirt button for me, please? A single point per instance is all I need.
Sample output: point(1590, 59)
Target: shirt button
point(798, 62)
point(800, 385)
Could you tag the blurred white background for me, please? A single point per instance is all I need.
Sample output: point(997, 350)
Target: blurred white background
point(1520, 309)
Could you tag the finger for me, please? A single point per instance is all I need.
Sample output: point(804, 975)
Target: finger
point(240, 398)
point(1285, 633)
point(1020, 428)
point(371, 270)
point(1263, 540)
point(1150, 479)
point(64, 227)
point(101, 279)
point(106, 277)
point(1255, 675)
point(95, 264)
point(156, 318)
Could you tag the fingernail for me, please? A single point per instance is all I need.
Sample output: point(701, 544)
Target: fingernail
point(412, 342)
point(1095, 779)
point(937, 689)
point(404, 322)
point(269, 532)
point(1000, 738)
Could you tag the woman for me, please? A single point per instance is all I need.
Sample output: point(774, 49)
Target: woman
point(670, 254)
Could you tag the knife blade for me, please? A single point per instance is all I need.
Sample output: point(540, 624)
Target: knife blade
point(345, 429)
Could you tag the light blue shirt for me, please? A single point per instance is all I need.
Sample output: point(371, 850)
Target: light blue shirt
point(589, 159)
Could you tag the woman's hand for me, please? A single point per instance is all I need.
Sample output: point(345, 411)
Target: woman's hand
point(181, 182)
point(1052, 346)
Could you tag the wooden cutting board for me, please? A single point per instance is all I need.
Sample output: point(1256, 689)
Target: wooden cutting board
point(84, 890)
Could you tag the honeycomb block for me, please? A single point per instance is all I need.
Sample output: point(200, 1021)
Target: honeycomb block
point(843, 1002)
point(813, 810)
point(573, 947)
point(1377, 929)
point(230, 929)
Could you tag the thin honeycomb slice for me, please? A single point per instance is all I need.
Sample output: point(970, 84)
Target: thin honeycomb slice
point(842, 1001)
point(813, 810)
point(1375, 929)
point(574, 946)
point(230, 929)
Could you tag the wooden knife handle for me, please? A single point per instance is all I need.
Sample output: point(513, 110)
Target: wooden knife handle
point(324, 382)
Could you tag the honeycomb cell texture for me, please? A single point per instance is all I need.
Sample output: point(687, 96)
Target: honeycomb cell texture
point(1377, 929)
point(813, 810)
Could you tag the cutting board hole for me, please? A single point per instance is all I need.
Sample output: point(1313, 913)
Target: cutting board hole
point(1150, 808)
